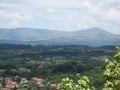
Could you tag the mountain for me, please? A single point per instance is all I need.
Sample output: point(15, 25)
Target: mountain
point(92, 36)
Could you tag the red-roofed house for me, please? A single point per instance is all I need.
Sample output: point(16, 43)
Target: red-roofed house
point(11, 85)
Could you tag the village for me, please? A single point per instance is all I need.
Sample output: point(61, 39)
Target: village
point(22, 83)
point(24, 67)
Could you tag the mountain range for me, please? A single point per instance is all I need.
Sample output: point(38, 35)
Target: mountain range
point(92, 37)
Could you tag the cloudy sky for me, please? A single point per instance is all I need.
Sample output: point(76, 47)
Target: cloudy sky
point(67, 15)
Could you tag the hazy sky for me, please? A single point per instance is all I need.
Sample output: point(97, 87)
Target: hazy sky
point(65, 15)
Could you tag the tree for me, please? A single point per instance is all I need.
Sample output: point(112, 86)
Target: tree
point(112, 72)
point(111, 75)
point(82, 84)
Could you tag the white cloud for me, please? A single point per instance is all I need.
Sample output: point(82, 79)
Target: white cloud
point(14, 23)
point(1, 13)
point(56, 3)
point(14, 18)
point(14, 15)
point(112, 1)
point(19, 16)
point(71, 17)
point(79, 25)
point(50, 10)
point(7, 4)
point(11, 5)
point(103, 12)
point(90, 6)
point(69, 13)
point(112, 15)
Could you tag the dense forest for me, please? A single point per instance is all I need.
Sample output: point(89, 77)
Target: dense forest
point(52, 63)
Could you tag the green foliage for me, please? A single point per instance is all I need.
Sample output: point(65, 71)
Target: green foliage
point(112, 72)
point(58, 62)
point(82, 84)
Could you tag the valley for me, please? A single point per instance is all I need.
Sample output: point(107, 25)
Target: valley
point(52, 63)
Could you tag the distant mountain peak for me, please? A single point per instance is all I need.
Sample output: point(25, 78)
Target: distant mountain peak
point(98, 30)
point(92, 36)
point(95, 28)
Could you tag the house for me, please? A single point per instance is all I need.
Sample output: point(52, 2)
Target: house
point(38, 81)
point(23, 81)
point(53, 85)
point(16, 77)
point(11, 85)
point(40, 67)
point(22, 69)
point(35, 79)
point(40, 84)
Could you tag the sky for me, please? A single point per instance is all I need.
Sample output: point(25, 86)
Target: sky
point(64, 15)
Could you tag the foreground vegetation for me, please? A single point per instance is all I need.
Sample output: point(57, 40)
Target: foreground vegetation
point(52, 63)
point(111, 75)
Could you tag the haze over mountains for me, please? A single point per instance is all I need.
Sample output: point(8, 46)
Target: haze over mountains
point(92, 36)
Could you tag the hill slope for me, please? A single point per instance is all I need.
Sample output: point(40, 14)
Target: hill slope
point(91, 36)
